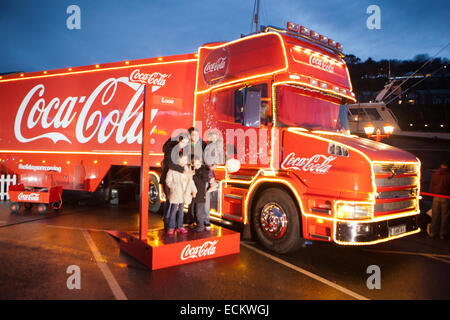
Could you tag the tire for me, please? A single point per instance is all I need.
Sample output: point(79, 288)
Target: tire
point(14, 207)
point(275, 221)
point(154, 204)
point(42, 208)
point(56, 205)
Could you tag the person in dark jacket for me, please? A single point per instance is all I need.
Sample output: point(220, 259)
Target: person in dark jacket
point(440, 184)
point(197, 143)
point(171, 148)
point(198, 203)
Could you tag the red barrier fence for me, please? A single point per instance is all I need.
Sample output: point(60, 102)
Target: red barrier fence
point(434, 195)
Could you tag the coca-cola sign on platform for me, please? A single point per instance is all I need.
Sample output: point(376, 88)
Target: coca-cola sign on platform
point(216, 65)
point(208, 248)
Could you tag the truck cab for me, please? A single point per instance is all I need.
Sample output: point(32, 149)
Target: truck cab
point(279, 100)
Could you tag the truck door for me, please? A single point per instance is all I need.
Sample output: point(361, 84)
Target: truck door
point(252, 114)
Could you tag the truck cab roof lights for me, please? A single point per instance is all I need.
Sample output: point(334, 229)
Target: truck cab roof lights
point(293, 27)
point(311, 34)
point(323, 39)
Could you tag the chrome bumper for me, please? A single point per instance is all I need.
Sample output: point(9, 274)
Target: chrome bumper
point(365, 233)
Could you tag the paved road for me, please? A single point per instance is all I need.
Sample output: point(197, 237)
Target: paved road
point(36, 252)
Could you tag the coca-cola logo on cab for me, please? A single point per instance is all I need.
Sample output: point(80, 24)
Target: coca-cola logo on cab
point(215, 67)
point(322, 63)
point(28, 197)
point(208, 248)
point(318, 163)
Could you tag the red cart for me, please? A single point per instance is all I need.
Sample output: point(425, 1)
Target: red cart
point(43, 198)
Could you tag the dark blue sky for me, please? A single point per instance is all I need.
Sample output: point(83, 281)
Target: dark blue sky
point(34, 36)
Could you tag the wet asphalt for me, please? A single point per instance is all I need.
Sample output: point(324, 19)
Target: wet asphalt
point(36, 252)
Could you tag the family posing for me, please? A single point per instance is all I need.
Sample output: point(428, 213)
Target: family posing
point(188, 179)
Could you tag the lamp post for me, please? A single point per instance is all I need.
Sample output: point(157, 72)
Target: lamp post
point(369, 129)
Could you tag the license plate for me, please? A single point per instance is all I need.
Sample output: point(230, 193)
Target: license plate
point(397, 230)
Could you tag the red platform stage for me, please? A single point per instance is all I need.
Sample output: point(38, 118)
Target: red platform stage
point(155, 248)
point(161, 250)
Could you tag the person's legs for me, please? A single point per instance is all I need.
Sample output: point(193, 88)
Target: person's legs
point(444, 217)
point(173, 209)
point(207, 206)
point(435, 217)
point(166, 207)
point(200, 209)
point(180, 215)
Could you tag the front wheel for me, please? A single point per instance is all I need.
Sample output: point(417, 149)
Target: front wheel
point(14, 207)
point(275, 221)
point(42, 208)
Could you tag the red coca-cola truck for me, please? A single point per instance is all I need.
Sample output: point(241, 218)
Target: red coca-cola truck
point(278, 97)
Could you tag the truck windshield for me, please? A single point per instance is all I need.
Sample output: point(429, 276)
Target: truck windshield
point(298, 107)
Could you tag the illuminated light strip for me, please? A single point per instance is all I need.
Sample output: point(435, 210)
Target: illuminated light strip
point(331, 133)
point(318, 88)
point(379, 240)
point(274, 125)
point(249, 193)
point(250, 77)
point(79, 152)
point(97, 70)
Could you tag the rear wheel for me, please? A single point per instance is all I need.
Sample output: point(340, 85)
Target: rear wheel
point(56, 205)
point(154, 204)
point(275, 221)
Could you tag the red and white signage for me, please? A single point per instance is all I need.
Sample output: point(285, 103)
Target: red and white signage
point(28, 197)
point(94, 121)
point(155, 78)
point(318, 163)
point(322, 63)
point(215, 67)
point(208, 248)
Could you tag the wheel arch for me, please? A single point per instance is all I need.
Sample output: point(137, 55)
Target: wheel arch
point(263, 184)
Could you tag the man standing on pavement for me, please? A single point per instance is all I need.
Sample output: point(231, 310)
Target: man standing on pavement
point(440, 184)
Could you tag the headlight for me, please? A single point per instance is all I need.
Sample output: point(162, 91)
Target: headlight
point(350, 210)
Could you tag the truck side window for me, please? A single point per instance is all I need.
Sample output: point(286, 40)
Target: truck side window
point(251, 107)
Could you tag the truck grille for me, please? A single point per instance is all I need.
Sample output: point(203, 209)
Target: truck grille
point(395, 182)
point(397, 187)
point(398, 205)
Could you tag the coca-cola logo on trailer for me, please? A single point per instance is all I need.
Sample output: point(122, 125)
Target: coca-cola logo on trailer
point(94, 116)
point(28, 197)
point(316, 164)
point(208, 248)
point(215, 67)
point(155, 78)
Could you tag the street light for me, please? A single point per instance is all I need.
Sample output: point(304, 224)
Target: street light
point(369, 129)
